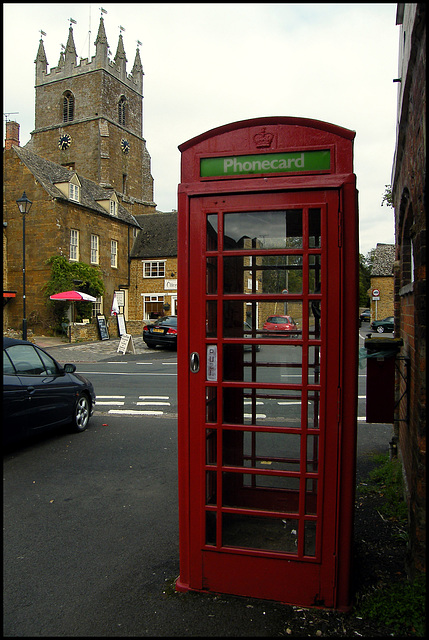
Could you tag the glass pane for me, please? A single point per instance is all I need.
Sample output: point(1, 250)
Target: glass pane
point(270, 534)
point(211, 527)
point(262, 274)
point(211, 275)
point(211, 319)
point(211, 404)
point(313, 414)
point(314, 313)
point(314, 232)
point(210, 487)
point(263, 230)
point(314, 274)
point(314, 357)
point(312, 454)
point(268, 407)
point(311, 496)
point(268, 318)
point(310, 538)
point(280, 363)
point(212, 232)
point(249, 491)
point(211, 446)
point(262, 450)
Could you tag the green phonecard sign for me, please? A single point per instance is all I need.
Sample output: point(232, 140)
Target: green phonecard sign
point(294, 161)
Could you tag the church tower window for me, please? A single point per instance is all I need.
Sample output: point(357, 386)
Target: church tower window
point(121, 110)
point(68, 107)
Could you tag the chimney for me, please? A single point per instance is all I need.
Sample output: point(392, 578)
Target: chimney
point(12, 135)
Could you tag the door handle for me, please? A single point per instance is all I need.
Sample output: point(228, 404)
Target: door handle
point(30, 390)
point(194, 362)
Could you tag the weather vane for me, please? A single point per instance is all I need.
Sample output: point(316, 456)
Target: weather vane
point(42, 33)
point(102, 11)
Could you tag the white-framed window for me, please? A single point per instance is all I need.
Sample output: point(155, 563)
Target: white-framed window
point(152, 306)
point(153, 268)
point(73, 192)
point(114, 253)
point(113, 208)
point(95, 248)
point(74, 244)
point(97, 307)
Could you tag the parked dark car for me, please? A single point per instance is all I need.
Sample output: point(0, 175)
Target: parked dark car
point(365, 316)
point(40, 394)
point(162, 332)
point(383, 325)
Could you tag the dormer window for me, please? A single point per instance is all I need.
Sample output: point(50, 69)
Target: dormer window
point(110, 205)
point(121, 110)
point(68, 107)
point(74, 192)
point(70, 189)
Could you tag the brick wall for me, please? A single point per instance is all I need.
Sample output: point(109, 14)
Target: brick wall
point(408, 189)
point(12, 134)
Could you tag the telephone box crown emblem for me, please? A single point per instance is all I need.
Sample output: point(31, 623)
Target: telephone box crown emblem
point(263, 139)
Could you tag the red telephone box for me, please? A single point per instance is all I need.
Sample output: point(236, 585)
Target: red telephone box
point(267, 360)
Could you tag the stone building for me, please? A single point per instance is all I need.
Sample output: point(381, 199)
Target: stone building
point(382, 279)
point(70, 216)
point(153, 269)
point(89, 117)
point(87, 171)
point(409, 200)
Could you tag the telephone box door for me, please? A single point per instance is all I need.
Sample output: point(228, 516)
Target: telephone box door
point(264, 383)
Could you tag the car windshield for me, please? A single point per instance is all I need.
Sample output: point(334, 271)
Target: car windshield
point(280, 320)
point(172, 320)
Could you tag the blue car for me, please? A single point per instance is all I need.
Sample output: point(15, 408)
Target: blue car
point(40, 394)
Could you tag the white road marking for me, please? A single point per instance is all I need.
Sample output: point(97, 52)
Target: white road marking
point(134, 412)
point(154, 397)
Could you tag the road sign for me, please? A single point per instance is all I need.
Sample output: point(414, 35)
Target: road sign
point(376, 293)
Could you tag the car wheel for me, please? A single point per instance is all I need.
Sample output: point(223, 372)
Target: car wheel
point(81, 413)
point(380, 329)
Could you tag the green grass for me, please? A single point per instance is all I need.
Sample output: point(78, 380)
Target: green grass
point(386, 480)
point(399, 606)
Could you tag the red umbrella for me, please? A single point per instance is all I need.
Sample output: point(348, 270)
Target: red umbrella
point(73, 296)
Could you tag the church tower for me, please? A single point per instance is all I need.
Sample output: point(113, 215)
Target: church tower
point(89, 117)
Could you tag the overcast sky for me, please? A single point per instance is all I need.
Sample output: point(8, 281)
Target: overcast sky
point(208, 64)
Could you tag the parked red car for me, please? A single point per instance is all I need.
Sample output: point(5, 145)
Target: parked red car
point(280, 323)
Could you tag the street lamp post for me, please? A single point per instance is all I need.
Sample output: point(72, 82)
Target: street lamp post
point(24, 205)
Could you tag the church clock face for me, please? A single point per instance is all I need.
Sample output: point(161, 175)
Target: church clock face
point(64, 141)
point(125, 145)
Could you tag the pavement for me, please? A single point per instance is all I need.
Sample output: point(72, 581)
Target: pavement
point(228, 615)
point(97, 351)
